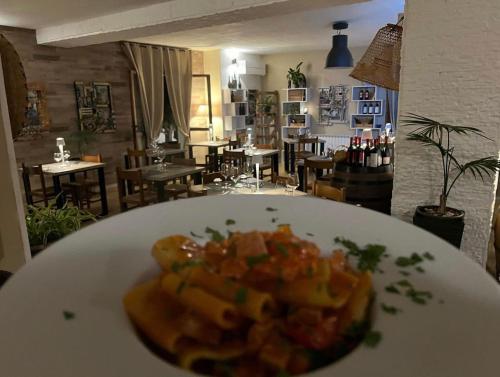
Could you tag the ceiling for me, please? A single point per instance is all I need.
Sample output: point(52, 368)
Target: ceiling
point(310, 30)
point(33, 14)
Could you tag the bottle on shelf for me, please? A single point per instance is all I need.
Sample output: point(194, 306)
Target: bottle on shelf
point(367, 94)
point(370, 108)
point(379, 153)
point(365, 109)
point(367, 153)
point(377, 108)
point(361, 95)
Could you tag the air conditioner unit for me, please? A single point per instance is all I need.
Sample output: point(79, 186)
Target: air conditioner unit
point(251, 68)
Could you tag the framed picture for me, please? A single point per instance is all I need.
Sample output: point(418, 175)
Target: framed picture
point(94, 106)
point(102, 94)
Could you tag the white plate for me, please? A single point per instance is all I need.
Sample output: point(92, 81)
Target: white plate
point(89, 272)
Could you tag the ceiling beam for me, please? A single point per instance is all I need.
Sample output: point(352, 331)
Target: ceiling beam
point(172, 16)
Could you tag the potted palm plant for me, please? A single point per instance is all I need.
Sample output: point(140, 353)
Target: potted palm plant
point(296, 79)
point(447, 222)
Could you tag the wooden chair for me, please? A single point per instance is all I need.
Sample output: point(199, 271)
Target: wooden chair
point(175, 189)
point(42, 194)
point(133, 178)
point(234, 144)
point(171, 145)
point(314, 166)
point(137, 158)
point(302, 152)
point(323, 190)
point(266, 163)
point(85, 188)
point(233, 157)
point(279, 180)
point(209, 177)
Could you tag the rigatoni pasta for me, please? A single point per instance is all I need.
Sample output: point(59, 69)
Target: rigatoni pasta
point(255, 304)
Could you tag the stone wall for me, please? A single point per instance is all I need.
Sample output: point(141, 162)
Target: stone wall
point(449, 72)
point(57, 68)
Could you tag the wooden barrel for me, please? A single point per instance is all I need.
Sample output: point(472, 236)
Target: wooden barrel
point(369, 187)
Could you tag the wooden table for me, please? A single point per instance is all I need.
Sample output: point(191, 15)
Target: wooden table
point(159, 177)
point(268, 188)
point(213, 146)
point(273, 153)
point(56, 170)
point(289, 147)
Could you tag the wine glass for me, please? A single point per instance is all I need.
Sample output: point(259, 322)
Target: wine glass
point(57, 157)
point(234, 174)
point(225, 169)
point(67, 155)
point(292, 182)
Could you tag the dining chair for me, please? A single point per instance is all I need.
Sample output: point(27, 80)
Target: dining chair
point(140, 196)
point(38, 195)
point(302, 150)
point(175, 189)
point(266, 162)
point(324, 190)
point(171, 145)
point(207, 178)
point(312, 168)
point(234, 144)
point(85, 188)
point(234, 157)
point(213, 162)
point(137, 158)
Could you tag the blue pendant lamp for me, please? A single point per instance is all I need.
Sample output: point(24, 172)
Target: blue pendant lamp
point(339, 56)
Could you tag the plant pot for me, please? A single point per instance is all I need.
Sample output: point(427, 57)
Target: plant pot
point(450, 228)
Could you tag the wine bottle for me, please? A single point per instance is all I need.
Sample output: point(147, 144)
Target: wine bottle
point(367, 153)
point(377, 108)
point(379, 153)
point(370, 108)
point(361, 154)
point(386, 153)
point(361, 94)
point(365, 109)
point(350, 152)
point(367, 95)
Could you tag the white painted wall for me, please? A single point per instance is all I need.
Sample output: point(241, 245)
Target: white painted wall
point(317, 76)
point(450, 71)
point(14, 246)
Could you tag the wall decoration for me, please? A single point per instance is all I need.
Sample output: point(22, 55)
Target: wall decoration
point(36, 118)
point(95, 107)
point(333, 103)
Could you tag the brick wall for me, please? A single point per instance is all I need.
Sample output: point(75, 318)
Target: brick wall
point(449, 72)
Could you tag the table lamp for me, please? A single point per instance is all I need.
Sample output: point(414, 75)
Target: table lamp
point(60, 143)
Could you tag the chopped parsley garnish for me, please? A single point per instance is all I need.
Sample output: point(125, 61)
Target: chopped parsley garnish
point(372, 338)
point(368, 258)
point(253, 260)
point(282, 249)
point(404, 283)
point(409, 261)
point(180, 287)
point(195, 235)
point(310, 234)
point(389, 309)
point(230, 222)
point(428, 256)
point(404, 273)
point(271, 209)
point(419, 269)
point(274, 219)
point(216, 235)
point(418, 297)
point(241, 296)
point(68, 316)
point(357, 329)
point(392, 289)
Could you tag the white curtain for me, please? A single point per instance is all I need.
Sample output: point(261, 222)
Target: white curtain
point(178, 76)
point(147, 61)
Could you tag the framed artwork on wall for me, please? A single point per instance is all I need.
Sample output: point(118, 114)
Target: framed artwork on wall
point(95, 107)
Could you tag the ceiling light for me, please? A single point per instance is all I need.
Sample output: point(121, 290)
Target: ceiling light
point(339, 56)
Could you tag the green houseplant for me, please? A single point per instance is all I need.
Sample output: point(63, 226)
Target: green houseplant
point(267, 104)
point(444, 221)
point(49, 224)
point(295, 77)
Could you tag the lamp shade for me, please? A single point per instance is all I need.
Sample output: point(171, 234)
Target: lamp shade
point(60, 142)
point(339, 56)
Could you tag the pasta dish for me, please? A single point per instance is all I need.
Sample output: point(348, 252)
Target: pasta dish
point(250, 305)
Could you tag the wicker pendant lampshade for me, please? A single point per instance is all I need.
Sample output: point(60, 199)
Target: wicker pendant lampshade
point(380, 64)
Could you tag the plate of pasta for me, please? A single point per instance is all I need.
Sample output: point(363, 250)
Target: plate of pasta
point(250, 286)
